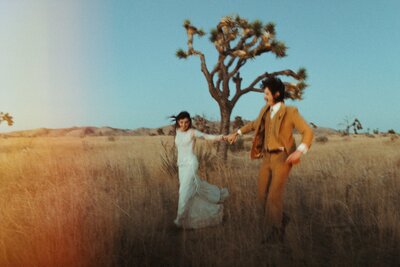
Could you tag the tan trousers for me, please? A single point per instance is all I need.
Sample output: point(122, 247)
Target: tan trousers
point(273, 175)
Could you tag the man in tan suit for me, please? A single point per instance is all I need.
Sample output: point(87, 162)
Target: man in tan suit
point(274, 143)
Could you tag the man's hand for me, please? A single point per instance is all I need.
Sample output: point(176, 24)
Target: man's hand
point(294, 158)
point(231, 138)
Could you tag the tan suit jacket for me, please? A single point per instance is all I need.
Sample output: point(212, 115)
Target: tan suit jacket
point(288, 118)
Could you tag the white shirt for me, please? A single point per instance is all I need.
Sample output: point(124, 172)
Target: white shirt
point(273, 110)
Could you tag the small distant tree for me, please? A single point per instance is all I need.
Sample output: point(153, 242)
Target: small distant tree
point(391, 131)
point(6, 117)
point(355, 125)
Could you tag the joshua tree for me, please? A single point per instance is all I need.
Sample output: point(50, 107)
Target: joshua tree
point(237, 41)
point(356, 125)
point(6, 117)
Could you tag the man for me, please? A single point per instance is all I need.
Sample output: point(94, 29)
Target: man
point(274, 143)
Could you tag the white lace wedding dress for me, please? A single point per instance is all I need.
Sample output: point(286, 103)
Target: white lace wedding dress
point(199, 202)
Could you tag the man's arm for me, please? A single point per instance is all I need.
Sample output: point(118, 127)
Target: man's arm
point(307, 136)
point(249, 127)
point(232, 138)
point(303, 128)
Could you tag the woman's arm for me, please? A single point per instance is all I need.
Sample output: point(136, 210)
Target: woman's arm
point(212, 137)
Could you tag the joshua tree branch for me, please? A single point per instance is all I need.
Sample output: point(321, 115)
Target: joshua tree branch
point(230, 62)
point(241, 43)
point(218, 84)
point(225, 81)
point(252, 88)
point(260, 49)
point(286, 73)
point(239, 64)
point(251, 44)
point(238, 82)
point(273, 74)
point(239, 93)
point(206, 73)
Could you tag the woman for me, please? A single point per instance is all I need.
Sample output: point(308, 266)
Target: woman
point(199, 202)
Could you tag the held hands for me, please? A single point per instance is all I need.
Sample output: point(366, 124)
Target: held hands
point(231, 138)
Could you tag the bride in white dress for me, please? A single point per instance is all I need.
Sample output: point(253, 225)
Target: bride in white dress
point(199, 202)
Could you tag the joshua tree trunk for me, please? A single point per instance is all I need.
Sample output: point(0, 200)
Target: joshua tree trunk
point(224, 129)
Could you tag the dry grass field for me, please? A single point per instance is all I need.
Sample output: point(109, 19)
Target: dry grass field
point(106, 201)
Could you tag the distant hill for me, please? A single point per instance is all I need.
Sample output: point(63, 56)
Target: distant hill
point(73, 132)
point(109, 131)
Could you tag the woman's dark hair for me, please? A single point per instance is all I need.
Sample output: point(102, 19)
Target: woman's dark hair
point(275, 85)
point(182, 115)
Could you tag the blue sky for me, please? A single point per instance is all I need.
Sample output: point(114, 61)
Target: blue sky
point(112, 63)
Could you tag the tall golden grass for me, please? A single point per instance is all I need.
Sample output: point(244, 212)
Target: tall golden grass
point(109, 202)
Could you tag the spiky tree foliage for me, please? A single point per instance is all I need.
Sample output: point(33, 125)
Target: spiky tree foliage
point(237, 40)
point(6, 117)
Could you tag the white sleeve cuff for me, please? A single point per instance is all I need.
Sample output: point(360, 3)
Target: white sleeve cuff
point(239, 132)
point(302, 148)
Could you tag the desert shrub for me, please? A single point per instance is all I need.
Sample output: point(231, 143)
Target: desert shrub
point(370, 135)
point(87, 131)
point(111, 138)
point(172, 132)
point(391, 131)
point(201, 123)
point(160, 131)
point(321, 139)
